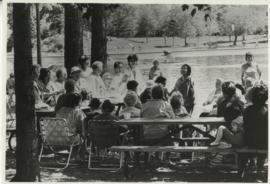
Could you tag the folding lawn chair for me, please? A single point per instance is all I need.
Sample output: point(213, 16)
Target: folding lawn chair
point(55, 133)
point(102, 135)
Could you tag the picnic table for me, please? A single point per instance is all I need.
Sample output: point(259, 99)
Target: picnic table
point(187, 122)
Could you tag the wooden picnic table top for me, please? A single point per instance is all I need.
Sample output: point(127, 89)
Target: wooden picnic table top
point(178, 121)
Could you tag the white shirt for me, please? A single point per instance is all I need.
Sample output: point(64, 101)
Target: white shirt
point(96, 86)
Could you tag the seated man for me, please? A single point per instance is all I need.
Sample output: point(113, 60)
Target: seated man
point(156, 108)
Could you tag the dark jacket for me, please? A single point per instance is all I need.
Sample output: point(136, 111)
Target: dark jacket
point(256, 126)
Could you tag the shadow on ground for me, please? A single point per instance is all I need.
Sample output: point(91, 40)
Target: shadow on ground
point(195, 172)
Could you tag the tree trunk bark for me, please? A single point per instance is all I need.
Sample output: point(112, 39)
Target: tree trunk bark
point(235, 39)
point(99, 39)
point(38, 35)
point(27, 168)
point(73, 36)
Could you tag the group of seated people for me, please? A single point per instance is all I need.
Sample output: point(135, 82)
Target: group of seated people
point(243, 106)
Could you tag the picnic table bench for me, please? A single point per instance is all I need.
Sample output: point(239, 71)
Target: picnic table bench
point(182, 149)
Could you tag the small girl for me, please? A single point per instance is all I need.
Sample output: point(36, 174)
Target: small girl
point(235, 135)
point(177, 102)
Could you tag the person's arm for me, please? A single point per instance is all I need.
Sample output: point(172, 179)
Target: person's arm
point(176, 87)
point(151, 74)
point(259, 71)
point(242, 75)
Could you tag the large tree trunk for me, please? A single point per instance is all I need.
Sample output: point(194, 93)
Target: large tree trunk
point(27, 168)
point(99, 39)
point(235, 39)
point(38, 35)
point(73, 36)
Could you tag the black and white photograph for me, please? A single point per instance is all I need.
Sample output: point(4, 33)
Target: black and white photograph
point(135, 92)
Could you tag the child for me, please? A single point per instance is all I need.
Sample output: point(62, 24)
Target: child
point(107, 109)
point(155, 71)
point(130, 101)
point(235, 136)
point(177, 105)
point(94, 108)
point(132, 87)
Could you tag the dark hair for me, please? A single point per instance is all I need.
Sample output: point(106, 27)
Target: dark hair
point(228, 88)
point(188, 68)
point(175, 102)
point(248, 54)
point(132, 85)
point(259, 94)
point(70, 86)
point(231, 112)
point(72, 100)
point(95, 103)
point(82, 59)
point(117, 64)
point(157, 92)
point(132, 57)
point(161, 80)
point(44, 72)
point(241, 88)
point(107, 106)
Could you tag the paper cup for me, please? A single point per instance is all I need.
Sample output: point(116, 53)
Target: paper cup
point(127, 115)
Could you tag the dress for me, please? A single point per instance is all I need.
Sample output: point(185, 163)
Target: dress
point(86, 73)
point(186, 87)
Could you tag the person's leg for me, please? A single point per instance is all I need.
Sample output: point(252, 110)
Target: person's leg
point(218, 136)
point(260, 161)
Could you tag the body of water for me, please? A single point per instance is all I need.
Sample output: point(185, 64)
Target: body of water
point(205, 69)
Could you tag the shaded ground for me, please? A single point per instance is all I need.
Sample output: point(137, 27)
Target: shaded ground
point(195, 172)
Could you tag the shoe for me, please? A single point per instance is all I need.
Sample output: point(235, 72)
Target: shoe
point(214, 143)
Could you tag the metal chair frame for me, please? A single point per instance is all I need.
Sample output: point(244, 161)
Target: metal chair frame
point(44, 143)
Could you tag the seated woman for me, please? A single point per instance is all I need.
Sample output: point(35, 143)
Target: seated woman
point(80, 83)
point(156, 108)
point(75, 119)
point(177, 102)
point(130, 101)
point(70, 88)
point(228, 97)
point(84, 64)
point(209, 107)
point(94, 108)
point(97, 86)
point(256, 122)
point(73, 114)
point(117, 75)
point(61, 76)
point(46, 88)
point(234, 135)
